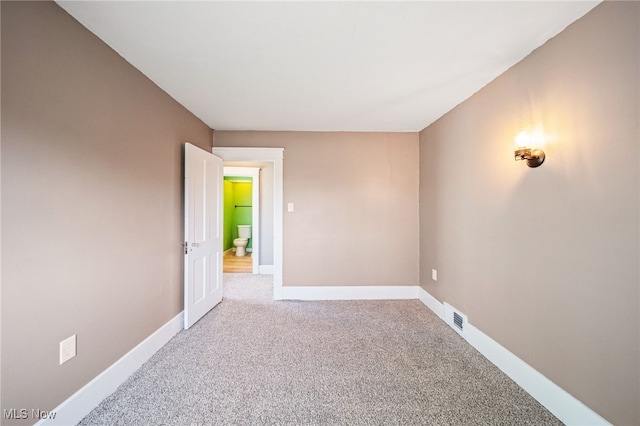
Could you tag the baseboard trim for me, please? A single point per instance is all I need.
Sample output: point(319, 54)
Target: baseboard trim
point(78, 405)
point(432, 303)
point(265, 269)
point(350, 293)
point(559, 402)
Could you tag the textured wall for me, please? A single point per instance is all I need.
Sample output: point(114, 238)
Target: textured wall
point(355, 195)
point(91, 204)
point(545, 261)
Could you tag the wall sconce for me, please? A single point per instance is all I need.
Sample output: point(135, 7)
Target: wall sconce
point(526, 143)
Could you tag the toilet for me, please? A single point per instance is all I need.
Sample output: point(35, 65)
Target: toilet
point(244, 233)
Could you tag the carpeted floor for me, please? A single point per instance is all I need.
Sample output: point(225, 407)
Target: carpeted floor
point(252, 360)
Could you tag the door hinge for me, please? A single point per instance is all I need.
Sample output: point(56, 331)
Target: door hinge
point(186, 247)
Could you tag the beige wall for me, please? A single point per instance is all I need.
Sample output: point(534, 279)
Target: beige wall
point(545, 261)
point(91, 204)
point(355, 196)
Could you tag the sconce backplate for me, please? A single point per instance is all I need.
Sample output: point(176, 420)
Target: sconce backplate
point(536, 159)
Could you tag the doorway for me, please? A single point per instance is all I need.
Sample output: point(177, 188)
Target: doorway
point(273, 157)
point(241, 207)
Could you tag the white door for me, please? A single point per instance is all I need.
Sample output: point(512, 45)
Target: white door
point(203, 175)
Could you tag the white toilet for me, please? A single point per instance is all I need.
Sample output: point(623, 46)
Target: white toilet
point(244, 233)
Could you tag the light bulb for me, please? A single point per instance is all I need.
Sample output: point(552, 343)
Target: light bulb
point(522, 139)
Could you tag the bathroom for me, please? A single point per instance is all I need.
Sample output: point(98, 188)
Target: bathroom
point(238, 223)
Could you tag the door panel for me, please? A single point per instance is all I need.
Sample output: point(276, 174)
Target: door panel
point(203, 226)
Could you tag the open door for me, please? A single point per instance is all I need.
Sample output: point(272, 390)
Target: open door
point(203, 175)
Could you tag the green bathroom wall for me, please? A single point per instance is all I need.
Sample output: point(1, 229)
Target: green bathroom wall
point(237, 192)
point(227, 234)
point(242, 215)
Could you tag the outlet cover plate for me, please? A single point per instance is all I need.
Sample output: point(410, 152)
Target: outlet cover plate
point(67, 349)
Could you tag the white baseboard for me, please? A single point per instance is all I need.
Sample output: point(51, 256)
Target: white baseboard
point(78, 405)
point(559, 402)
point(350, 293)
point(265, 269)
point(432, 303)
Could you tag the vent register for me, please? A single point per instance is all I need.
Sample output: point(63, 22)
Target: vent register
point(456, 319)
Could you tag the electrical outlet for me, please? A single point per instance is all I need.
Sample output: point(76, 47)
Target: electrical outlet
point(434, 275)
point(290, 207)
point(67, 349)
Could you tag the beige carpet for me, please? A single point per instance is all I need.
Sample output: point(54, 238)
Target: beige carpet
point(252, 360)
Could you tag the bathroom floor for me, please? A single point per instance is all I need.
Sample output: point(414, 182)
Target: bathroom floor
point(233, 263)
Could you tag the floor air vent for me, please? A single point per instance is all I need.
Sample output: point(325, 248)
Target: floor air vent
point(456, 319)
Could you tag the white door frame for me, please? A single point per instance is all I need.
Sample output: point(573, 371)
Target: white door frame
point(274, 155)
point(254, 174)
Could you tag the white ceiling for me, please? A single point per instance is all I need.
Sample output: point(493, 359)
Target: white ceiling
point(339, 66)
